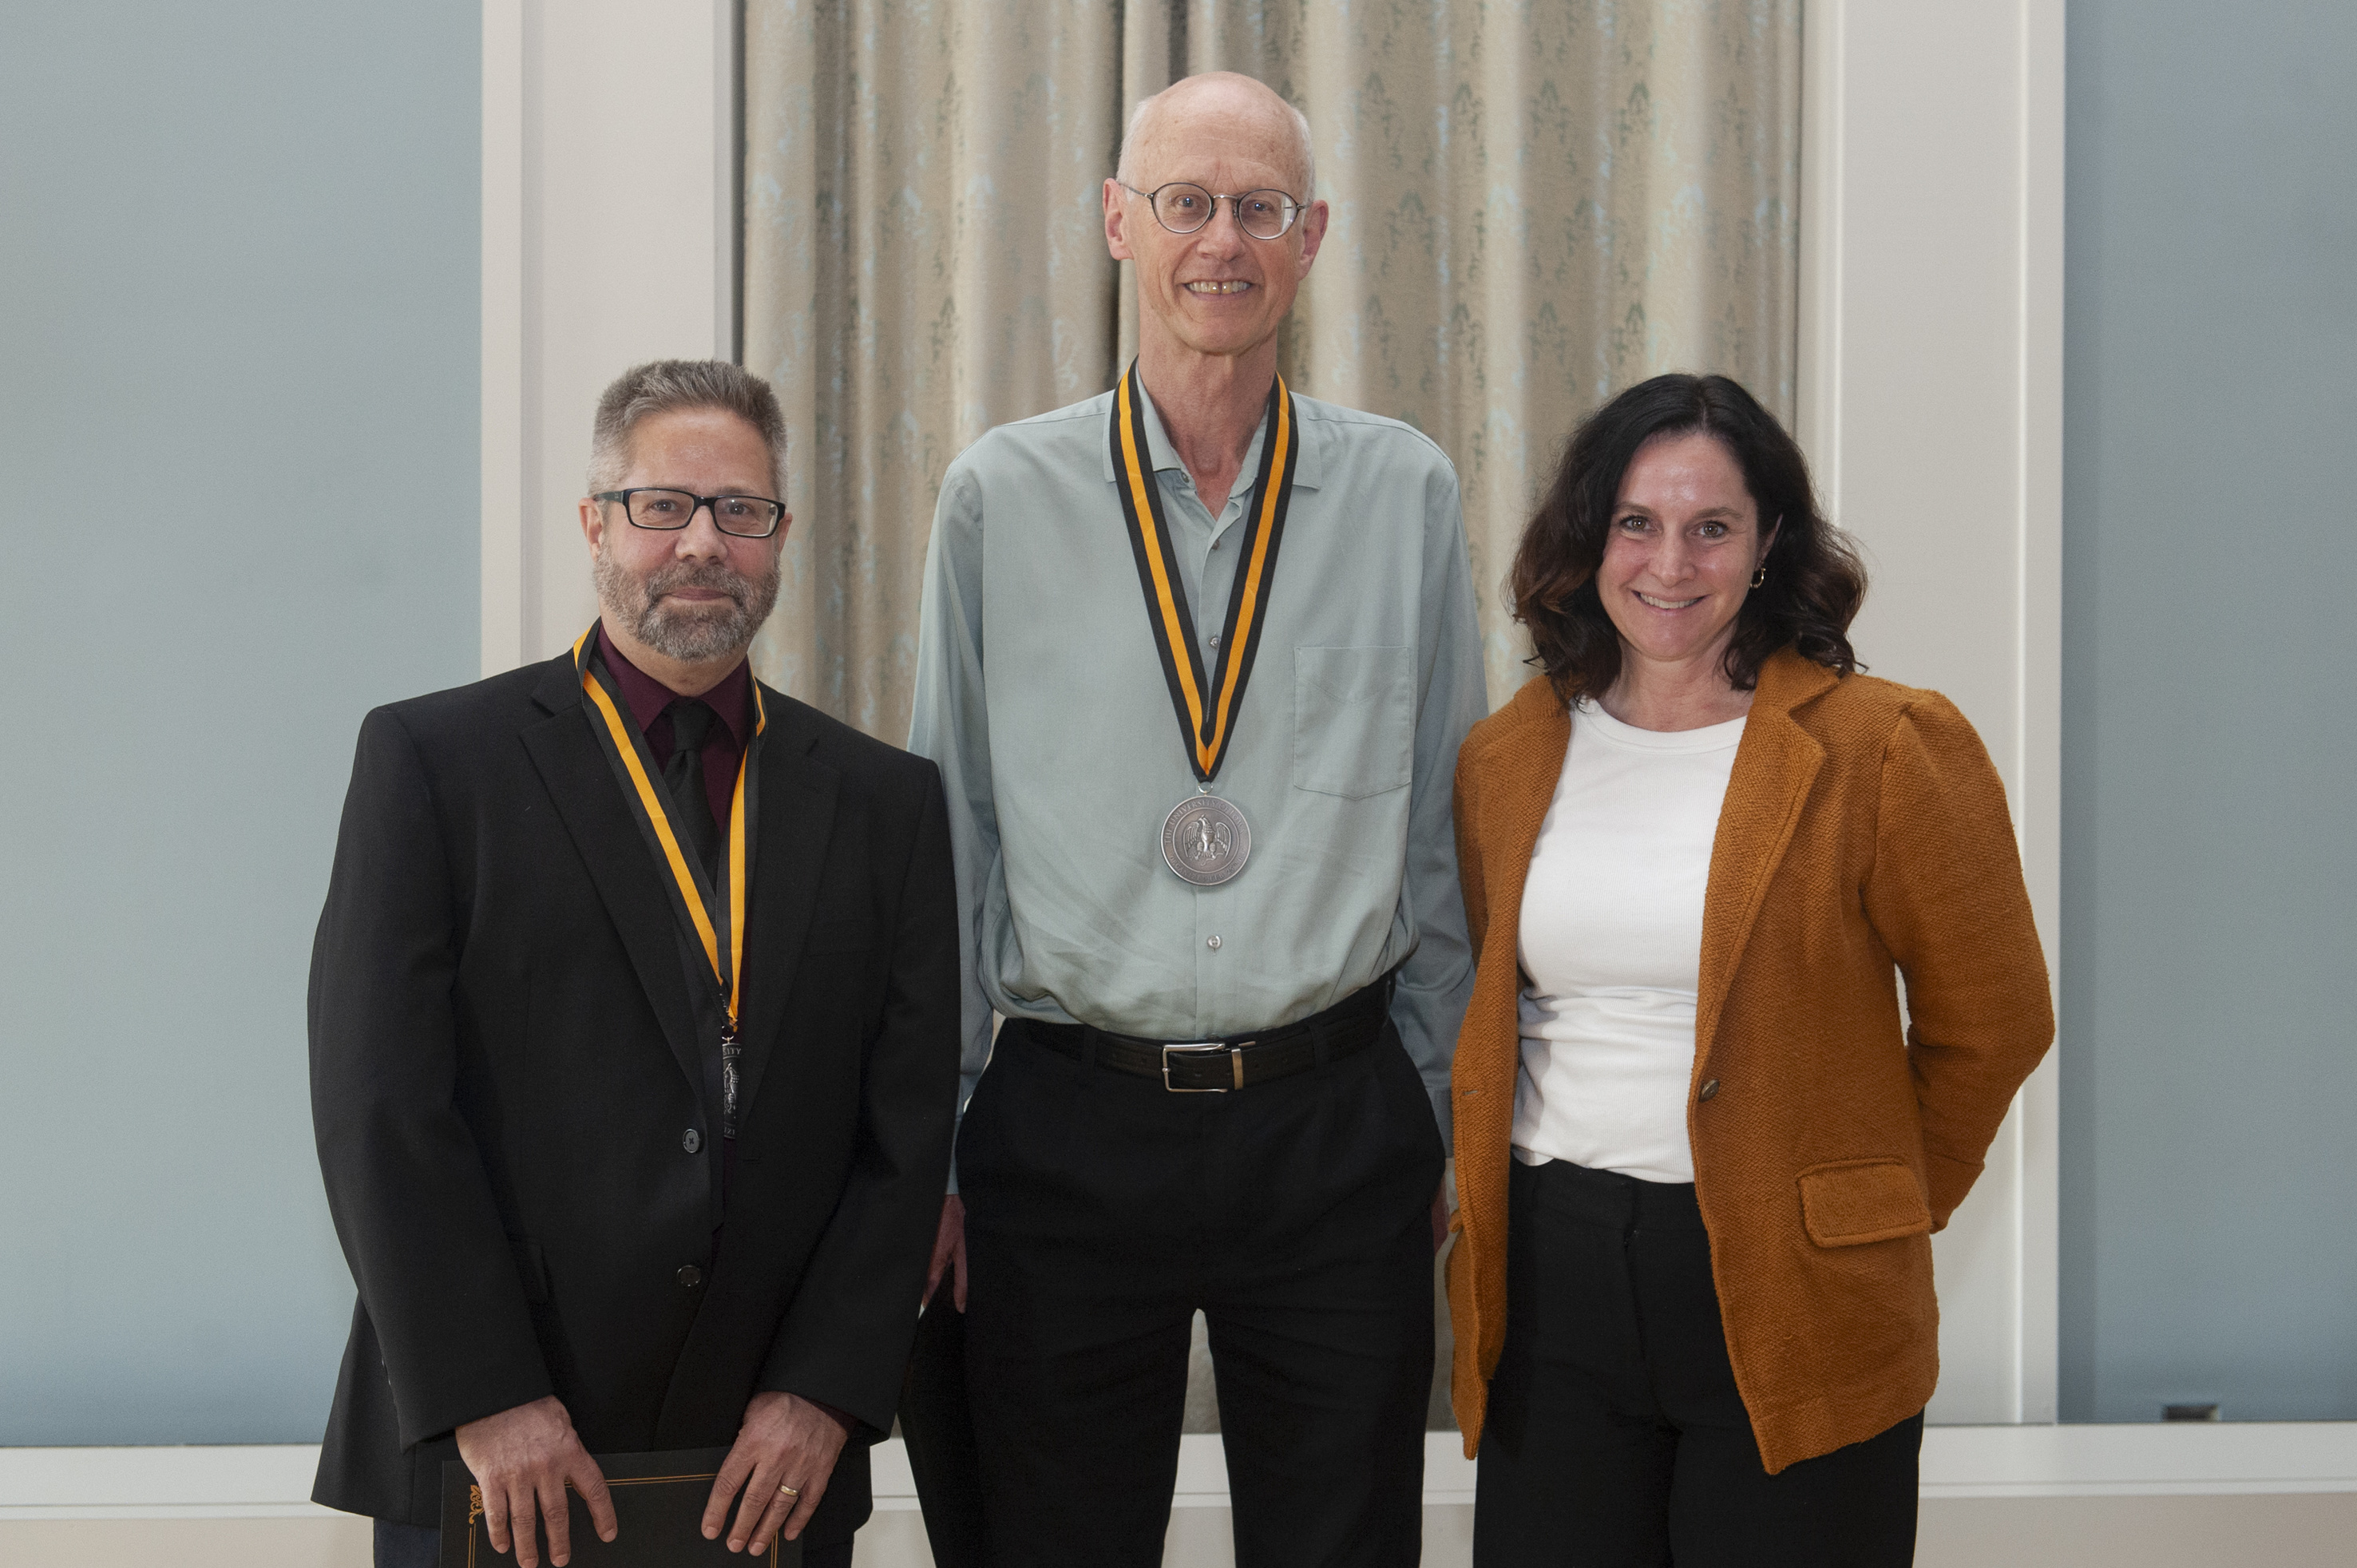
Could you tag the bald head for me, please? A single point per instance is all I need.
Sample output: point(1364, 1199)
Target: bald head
point(1229, 108)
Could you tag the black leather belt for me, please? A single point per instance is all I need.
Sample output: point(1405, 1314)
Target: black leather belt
point(1214, 1066)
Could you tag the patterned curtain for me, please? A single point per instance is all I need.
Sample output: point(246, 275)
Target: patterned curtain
point(923, 260)
point(1536, 203)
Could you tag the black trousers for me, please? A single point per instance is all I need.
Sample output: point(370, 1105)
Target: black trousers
point(1615, 1437)
point(1102, 1211)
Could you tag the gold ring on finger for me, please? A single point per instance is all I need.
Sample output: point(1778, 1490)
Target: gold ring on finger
point(786, 1491)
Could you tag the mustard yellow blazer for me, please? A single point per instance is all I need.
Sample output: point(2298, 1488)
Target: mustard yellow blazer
point(1864, 838)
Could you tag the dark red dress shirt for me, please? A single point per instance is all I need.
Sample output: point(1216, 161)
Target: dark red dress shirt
point(650, 702)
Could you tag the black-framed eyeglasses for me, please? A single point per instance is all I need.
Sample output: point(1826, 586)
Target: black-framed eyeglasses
point(1183, 207)
point(741, 517)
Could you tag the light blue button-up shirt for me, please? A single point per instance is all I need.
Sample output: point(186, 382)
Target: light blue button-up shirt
point(1040, 696)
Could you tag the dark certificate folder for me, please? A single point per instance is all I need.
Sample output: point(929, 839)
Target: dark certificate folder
point(658, 1517)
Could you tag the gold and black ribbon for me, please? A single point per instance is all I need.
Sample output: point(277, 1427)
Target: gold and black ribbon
point(1206, 706)
point(717, 924)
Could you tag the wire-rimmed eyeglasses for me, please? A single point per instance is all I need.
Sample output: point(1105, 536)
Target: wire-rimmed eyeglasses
point(742, 517)
point(1182, 208)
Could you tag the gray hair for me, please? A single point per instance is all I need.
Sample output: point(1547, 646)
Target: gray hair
point(1123, 169)
point(668, 386)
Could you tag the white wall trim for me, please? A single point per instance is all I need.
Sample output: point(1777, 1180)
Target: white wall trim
point(2160, 1459)
point(1929, 395)
point(504, 396)
point(569, 300)
point(2191, 1459)
point(2039, 809)
point(728, 172)
point(1816, 383)
point(271, 1481)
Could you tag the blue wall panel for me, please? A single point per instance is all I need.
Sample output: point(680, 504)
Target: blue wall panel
point(2209, 721)
point(239, 264)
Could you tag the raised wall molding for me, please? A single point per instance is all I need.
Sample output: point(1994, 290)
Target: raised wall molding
point(609, 237)
point(1929, 396)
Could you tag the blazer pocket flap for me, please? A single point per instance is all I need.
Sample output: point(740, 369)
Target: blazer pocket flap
point(1851, 1202)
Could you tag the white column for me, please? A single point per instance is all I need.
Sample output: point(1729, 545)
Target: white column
point(609, 237)
point(1931, 403)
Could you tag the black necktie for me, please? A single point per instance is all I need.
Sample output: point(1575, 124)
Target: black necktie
point(690, 722)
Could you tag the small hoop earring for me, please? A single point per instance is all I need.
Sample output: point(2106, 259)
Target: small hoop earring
point(1761, 575)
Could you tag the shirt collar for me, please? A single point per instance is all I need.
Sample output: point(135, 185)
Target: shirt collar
point(647, 697)
point(1162, 456)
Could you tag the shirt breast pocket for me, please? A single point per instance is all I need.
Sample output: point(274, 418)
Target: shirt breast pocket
point(1353, 720)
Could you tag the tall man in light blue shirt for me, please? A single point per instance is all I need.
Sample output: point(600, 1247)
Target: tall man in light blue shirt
point(1195, 661)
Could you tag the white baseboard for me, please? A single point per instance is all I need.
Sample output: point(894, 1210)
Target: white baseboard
point(223, 1481)
point(2158, 1459)
point(2189, 1459)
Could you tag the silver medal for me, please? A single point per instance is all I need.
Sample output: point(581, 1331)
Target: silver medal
point(1206, 840)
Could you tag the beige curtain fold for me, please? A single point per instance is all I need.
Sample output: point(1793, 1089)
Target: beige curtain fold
point(1534, 205)
point(922, 261)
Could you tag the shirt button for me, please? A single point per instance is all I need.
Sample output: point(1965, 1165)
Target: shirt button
point(1212, 943)
point(691, 1140)
point(1709, 1088)
point(689, 1275)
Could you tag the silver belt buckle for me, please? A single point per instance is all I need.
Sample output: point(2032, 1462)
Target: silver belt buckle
point(1204, 1048)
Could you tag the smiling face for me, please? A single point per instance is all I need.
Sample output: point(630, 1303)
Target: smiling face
point(692, 596)
point(1683, 541)
point(1218, 291)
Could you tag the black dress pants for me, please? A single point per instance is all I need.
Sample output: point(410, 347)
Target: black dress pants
point(1615, 1437)
point(1102, 1211)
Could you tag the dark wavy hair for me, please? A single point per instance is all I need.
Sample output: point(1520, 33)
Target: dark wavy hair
point(1815, 581)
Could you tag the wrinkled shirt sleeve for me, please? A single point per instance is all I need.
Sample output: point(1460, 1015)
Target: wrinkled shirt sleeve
point(1437, 981)
point(951, 724)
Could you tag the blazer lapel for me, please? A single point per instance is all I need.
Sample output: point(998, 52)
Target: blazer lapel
point(797, 820)
point(1774, 766)
point(582, 785)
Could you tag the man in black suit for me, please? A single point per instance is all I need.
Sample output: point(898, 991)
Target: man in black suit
point(634, 1040)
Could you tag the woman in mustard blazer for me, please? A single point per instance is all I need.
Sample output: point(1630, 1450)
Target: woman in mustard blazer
point(1700, 1155)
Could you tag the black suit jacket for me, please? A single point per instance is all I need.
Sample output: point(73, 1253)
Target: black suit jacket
point(506, 1065)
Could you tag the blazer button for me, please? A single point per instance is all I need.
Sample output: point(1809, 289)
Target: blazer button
point(691, 1140)
point(1709, 1088)
point(690, 1275)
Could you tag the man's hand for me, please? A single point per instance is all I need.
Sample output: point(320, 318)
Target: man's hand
point(1440, 1217)
point(949, 1251)
point(522, 1458)
point(785, 1441)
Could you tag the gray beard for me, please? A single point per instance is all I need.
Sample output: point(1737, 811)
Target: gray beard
point(691, 636)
